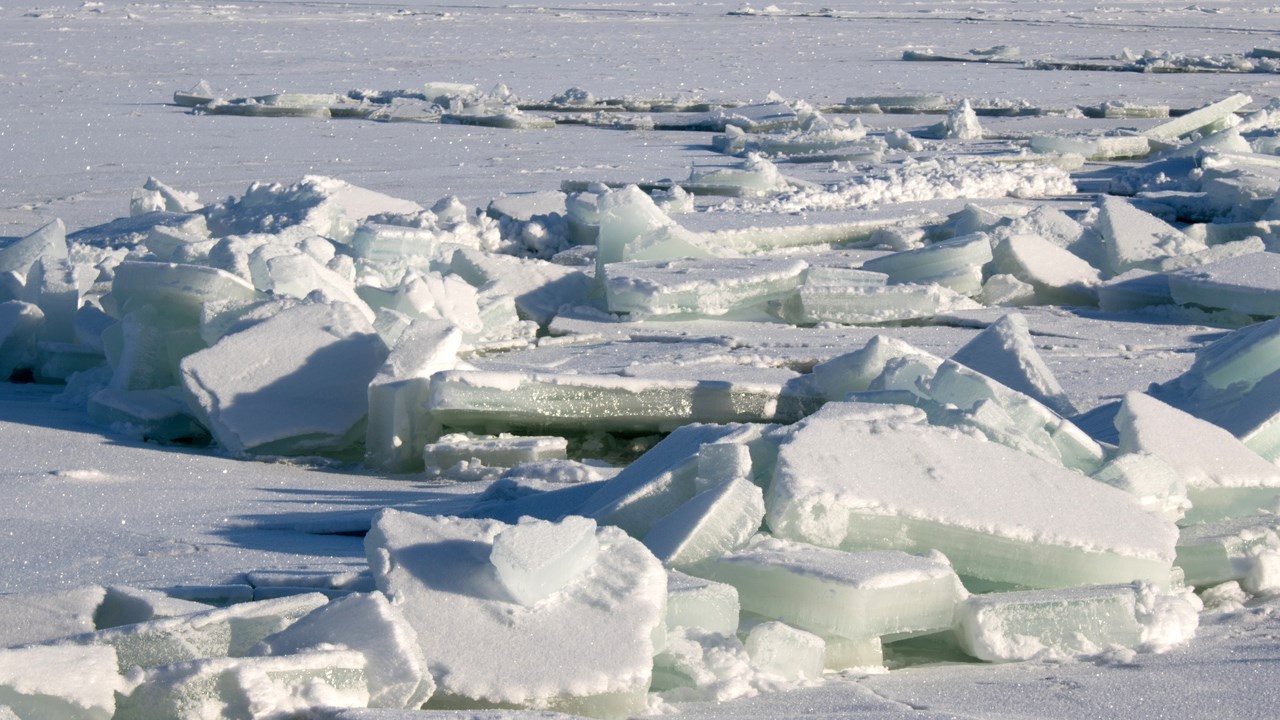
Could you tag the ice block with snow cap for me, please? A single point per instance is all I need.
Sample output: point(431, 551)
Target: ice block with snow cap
point(1132, 238)
point(714, 521)
point(1010, 626)
point(1006, 353)
point(955, 264)
point(69, 683)
point(1057, 275)
point(1217, 552)
point(853, 477)
point(708, 287)
point(536, 558)
point(176, 290)
point(399, 424)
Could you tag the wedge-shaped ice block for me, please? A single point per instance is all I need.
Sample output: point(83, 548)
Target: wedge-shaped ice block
point(1217, 552)
point(1247, 284)
point(222, 632)
point(253, 687)
point(632, 227)
point(49, 240)
point(536, 558)
point(332, 208)
point(492, 401)
point(1132, 238)
point(68, 683)
point(588, 649)
point(1004, 627)
point(176, 290)
point(961, 124)
point(1202, 117)
point(662, 479)
point(1058, 276)
point(710, 524)
point(1005, 352)
point(955, 264)
point(1224, 478)
point(779, 649)
point(399, 424)
point(366, 622)
point(698, 287)
point(831, 592)
point(871, 305)
point(505, 450)
point(306, 392)
point(694, 602)
point(846, 481)
point(1096, 149)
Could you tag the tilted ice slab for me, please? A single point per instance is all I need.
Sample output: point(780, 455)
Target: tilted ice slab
point(48, 240)
point(1094, 148)
point(1057, 275)
point(713, 522)
point(1248, 284)
point(831, 592)
point(68, 682)
point(1224, 478)
point(586, 648)
point(1006, 353)
point(1132, 238)
point(1197, 119)
point(399, 425)
point(1004, 627)
point(955, 264)
point(698, 287)
point(859, 478)
point(303, 389)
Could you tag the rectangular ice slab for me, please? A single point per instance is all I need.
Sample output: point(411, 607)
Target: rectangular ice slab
point(714, 521)
point(1247, 284)
point(1216, 552)
point(862, 305)
point(831, 592)
point(1094, 148)
point(399, 424)
point(859, 479)
point(586, 648)
point(781, 650)
point(1004, 627)
point(504, 450)
point(955, 264)
point(68, 683)
point(694, 602)
point(714, 286)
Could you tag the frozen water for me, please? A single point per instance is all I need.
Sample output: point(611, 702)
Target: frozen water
point(698, 287)
point(399, 424)
point(1003, 627)
point(83, 687)
point(1245, 284)
point(1207, 116)
point(535, 558)
point(1218, 552)
point(1006, 353)
point(49, 240)
point(1136, 239)
point(955, 264)
point(502, 451)
point(713, 522)
point(694, 602)
point(779, 649)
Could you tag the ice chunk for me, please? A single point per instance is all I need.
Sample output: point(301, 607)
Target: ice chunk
point(332, 208)
point(1135, 239)
point(1057, 275)
point(998, 514)
point(699, 287)
point(754, 176)
point(870, 305)
point(540, 288)
point(1095, 149)
point(175, 290)
point(132, 232)
point(1247, 284)
point(588, 649)
point(49, 240)
point(222, 632)
point(69, 683)
point(779, 649)
point(52, 286)
point(632, 227)
point(272, 406)
point(536, 558)
point(252, 687)
point(722, 461)
point(129, 605)
point(850, 654)
point(1004, 627)
point(855, 371)
point(1006, 353)
point(697, 665)
point(505, 450)
point(1157, 486)
point(694, 602)
point(1195, 120)
point(831, 592)
point(955, 264)
point(19, 324)
point(961, 124)
point(35, 617)
point(156, 196)
point(395, 670)
point(710, 524)
point(156, 414)
point(1217, 552)
point(1223, 477)
point(399, 424)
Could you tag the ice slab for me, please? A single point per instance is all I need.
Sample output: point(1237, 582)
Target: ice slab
point(69, 683)
point(1223, 477)
point(156, 196)
point(36, 617)
point(254, 687)
point(754, 176)
point(1006, 627)
point(1095, 149)
point(722, 461)
point(872, 305)
point(1058, 275)
point(272, 406)
point(1218, 552)
point(699, 287)
point(505, 450)
point(961, 124)
point(998, 514)
point(1006, 353)
point(1206, 116)
point(632, 227)
point(399, 424)
point(540, 288)
point(1155, 483)
point(332, 208)
point(49, 240)
point(1134, 290)
point(694, 602)
point(856, 371)
point(588, 649)
point(779, 649)
point(955, 264)
point(713, 522)
point(831, 592)
point(536, 558)
point(175, 290)
point(1246, 284)
point(1133, 238)
point(853, 654)
point(395, 671)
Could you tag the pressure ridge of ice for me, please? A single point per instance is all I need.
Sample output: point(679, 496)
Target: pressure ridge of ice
point(722, 434)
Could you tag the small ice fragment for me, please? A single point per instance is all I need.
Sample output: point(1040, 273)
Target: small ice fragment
point(791, 654)
point(156, 196)
point(855, 371)
point(1011, 626)
point(961, 124)
point(536, 558)
point(65, 682)
point(694, 602)
point(1005, 352)
point(710, 524)
point(1006, 290)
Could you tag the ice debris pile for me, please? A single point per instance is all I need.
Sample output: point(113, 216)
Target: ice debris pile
point(720, 451)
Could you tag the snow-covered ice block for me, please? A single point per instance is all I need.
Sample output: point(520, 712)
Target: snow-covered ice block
point(955, 264)
point(697, 665)
point(694, 602)
point(1247, 284)
point(19, 324)
point(332, 208)
point(67, 682)
point(249, 687)
point(505, 450)
point(399, 424)
point(1058, 275)
point(855, 371)
point(699, 287)
point(157, 196)
point(844, 277)
point(588, 649)
point(998, 514)
point(306, 395)
point(871, 305)
point(1155, 483)
point(779, 649)
point(1005, 352)
point(1010, 626)
point(536, 558)
point(832, 592)
point(36, 617)
point(52, 286)
point(754, 176)
point(1223, 477)
point(1096, 149)
point(1217, 552)
point(632, 227)
point(366, 622)
point(176, 290)
point(1206, 116)
point(662, 479)
point(710, 524)
point(1214, 254)
point(722, 461)
point(124, 605)
point(49, 240)
point(381, 242)
point(1132, 238)
point(132, 232)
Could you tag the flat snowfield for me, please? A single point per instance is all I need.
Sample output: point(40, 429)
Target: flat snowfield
point(728, 281)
